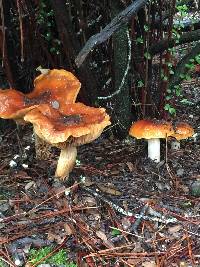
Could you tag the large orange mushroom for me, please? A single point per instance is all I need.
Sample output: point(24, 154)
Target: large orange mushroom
point(54, 87)
point(77, 124)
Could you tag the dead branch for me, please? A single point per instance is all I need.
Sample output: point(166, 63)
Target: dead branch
point(181, 67)
point(122, 18)
point(165, 43)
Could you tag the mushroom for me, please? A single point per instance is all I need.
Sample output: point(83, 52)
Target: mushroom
point(77, 124)
point(55, 87)
point(152, 130)
point(13, 104)
point(182, 130)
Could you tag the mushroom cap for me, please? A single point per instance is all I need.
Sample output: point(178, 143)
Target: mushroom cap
point(149, 129)
point(76, 125)
point(56, 87)
point(13, 104)
point(59, 86)
point(182, 130)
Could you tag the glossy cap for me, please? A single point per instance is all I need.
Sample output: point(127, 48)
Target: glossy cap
point(60, 87)
point(149, 129)
point(56, 88)
point(13, 104)
point(76, 125)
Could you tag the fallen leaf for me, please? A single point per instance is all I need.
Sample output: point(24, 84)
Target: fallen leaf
point(90, 201)
point(126, 224)
point(130, 166)
point(101, 235)
point(29, 185)
point(68, 229)
point(109, 190)
point(133, 262)
point(114, 172)
point(88, 182)
point(149, 264)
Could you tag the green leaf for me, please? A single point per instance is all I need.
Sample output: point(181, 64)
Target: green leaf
point(182, 76)
point(189, 66)
point(188, 77)
point(167, 107)
point(197, 58)
point(140, 84)
point(146, 28)
point(172, 111)
point(186, 101)
point(139, 40)
point(147, 55)
point(115, 232)
point(165, 78)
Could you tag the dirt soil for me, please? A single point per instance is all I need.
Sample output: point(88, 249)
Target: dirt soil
point(117, 209)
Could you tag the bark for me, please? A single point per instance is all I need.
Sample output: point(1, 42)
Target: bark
point(5, 60)
point(10, 48)
point(122, 100)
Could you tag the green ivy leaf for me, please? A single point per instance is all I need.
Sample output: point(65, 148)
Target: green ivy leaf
point(147, 55)
point(115, 232)
point(140, 84)
point(139, 40)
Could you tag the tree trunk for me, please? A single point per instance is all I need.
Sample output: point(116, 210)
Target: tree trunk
point(121, 100)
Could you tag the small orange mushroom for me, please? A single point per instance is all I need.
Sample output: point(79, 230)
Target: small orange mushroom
point(77, 124)
point(182, 130)
point(152, 130)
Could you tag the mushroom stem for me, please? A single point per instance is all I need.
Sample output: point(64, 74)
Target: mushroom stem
point(42, 148)
point(66, 162)
point(175, 145)
point(154, 149)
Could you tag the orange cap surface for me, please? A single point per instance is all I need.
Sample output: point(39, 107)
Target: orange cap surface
point(149, 129)
point(13, 104)
point(78, 124)
point(182, 130)
point(56, 85)
point(56, 88)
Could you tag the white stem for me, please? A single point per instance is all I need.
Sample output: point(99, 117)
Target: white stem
point(175, 145)
point(154, 149)
point(66, 162)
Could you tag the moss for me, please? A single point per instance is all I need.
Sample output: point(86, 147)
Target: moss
point(59, 258)
point(3, 264)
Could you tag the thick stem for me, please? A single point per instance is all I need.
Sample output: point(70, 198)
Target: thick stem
point(154, 149)
point(66, 162)
point(42, 148)
point(175, 145)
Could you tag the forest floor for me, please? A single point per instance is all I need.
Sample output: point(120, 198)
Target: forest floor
point(118, 208)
